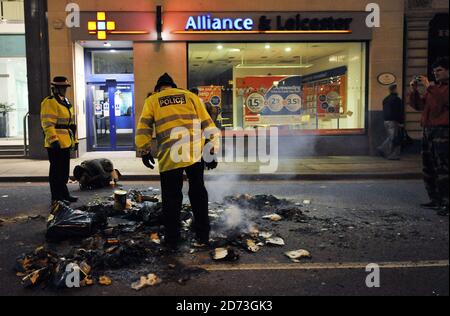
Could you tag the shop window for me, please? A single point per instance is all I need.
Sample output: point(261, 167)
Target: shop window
point(305, 88)
point(112, 62)
point(13, 88)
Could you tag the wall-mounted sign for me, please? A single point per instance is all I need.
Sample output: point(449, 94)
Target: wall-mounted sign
point(266, 25)
point(386, 78)
point(249, 26)
point(116, 26)
point(257, 26)
point(208, 23)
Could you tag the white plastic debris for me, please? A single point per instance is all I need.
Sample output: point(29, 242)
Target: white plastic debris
point(277, 241)
point(145, 281)
point(220, 253)
point(296, 255)
point(273, 217)
point(307, 202)
point(265, 235)
point(4, 196)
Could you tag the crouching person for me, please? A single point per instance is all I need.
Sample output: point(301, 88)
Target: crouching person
point(96, 174)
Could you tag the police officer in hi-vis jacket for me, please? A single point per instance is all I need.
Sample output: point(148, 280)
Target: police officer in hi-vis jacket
point(59, 125)
point(170, 109)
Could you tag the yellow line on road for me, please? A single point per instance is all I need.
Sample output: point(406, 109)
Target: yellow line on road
point(326, 266)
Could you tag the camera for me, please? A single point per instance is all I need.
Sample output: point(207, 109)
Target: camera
point(417, 78)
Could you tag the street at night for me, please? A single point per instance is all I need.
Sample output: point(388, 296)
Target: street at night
point(351, 225)
point(224, 156)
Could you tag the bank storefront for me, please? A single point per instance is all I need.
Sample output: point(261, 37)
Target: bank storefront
point(306, 72)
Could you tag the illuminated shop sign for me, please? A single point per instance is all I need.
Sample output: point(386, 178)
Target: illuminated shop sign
point(208, 23)
point(102, 27)
point(298, 24)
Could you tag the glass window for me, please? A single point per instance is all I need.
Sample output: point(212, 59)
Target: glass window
point(13, 89)
point(112, 62)
point(313, 88)
point(12, 46)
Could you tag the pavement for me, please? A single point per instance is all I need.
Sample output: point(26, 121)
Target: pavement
point(303, 168)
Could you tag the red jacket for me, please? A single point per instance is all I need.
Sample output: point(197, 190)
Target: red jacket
point(434, 104)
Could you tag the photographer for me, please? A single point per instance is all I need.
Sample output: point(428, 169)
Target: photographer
point(435, 116)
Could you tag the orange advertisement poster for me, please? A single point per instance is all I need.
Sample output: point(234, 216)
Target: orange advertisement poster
point(211, 95)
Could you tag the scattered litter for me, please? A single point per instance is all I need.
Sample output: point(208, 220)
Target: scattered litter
point(4, 196)
point(120, 200)
point(277, 241)
point(104, 237)
point(64, 222)
point(265, 235)
point(252, 246)
point(155, 238)
point(307, 202)
point(224, 254)
point(104, 280)
point(254, 231)
point(298, 254)
point(273, 217)
point(146, 281)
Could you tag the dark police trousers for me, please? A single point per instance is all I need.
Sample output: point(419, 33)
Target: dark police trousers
point(172, 199)
point(435, 163)
point(59, 172)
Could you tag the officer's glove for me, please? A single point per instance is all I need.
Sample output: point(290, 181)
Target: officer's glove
point(148, 161)
point(75, 147)
point(211, 165)
point(55, 145)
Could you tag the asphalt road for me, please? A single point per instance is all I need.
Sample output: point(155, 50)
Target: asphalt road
point(351, 224)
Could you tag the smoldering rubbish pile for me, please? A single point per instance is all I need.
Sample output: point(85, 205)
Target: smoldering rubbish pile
point(124, 232)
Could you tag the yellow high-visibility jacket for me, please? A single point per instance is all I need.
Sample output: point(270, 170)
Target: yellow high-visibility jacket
point(58, 122)
point(182, 115)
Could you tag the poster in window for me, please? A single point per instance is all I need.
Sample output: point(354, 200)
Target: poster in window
point(211, 95)
point(271, 100)
point(325, 93)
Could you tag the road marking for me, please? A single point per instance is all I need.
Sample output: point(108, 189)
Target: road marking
point(326, 266)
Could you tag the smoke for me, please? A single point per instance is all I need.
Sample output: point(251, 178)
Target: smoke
point(234, 220)
point(222, 186)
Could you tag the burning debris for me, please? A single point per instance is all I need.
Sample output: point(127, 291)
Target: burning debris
point(124, 231)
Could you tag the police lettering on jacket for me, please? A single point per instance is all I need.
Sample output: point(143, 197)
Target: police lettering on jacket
point(172, 100)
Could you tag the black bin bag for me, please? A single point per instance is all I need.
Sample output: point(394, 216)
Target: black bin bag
point(66, 223)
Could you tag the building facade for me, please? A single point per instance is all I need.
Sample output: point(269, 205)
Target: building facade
point(426, 29)
point(314, 70)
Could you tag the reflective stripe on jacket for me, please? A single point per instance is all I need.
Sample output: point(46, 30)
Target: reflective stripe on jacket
point(56, 121)
point(166, 111)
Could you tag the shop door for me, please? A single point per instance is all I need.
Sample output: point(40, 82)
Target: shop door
point(111, 116)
